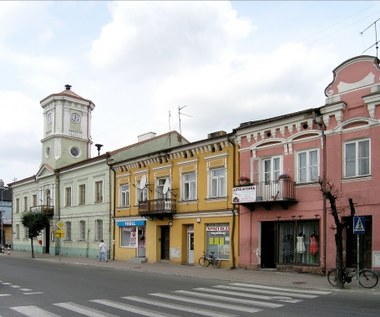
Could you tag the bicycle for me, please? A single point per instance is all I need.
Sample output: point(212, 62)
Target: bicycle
point(210, 258)
point(367, 278)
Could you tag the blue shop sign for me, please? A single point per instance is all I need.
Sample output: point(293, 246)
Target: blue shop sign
point(137, 223)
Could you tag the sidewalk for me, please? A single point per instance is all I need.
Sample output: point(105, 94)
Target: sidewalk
point(265, 277)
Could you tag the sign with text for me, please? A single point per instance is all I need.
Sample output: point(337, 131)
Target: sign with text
point(244, 194)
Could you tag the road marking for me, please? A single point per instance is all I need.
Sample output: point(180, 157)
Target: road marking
point(262, 297)
point(33, 293)
point(33, 311)
point(207, 303)
point(15, 286)
point(3, 295)
point(203, 312)
point(26, 289)
point(130, 308)
point(292, 290)
point(229, 299)
point(87, 311)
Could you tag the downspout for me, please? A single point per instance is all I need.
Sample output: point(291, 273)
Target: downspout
point(233, 205)
point(57, 210)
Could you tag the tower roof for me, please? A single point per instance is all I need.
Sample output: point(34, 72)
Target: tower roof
point(67, 93)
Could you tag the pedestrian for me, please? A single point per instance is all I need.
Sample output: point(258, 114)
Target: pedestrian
point(102, 251)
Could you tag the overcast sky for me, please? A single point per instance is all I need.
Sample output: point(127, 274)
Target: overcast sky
point(222, 63)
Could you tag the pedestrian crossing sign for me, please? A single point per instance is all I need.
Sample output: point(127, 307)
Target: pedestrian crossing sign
point(359, 225)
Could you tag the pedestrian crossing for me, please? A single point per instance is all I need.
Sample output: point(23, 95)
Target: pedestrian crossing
point(223, 300)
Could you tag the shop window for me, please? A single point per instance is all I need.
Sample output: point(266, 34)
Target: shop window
point(128, 237)
point(218, 240)
point(298, 242)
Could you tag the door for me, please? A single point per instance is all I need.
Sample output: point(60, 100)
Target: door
point(141, 242)
point(272, 169)
point(165, 243)
point(268, 245)
point(190, 244)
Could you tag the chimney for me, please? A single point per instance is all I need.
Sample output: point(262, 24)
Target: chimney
point(68, 87)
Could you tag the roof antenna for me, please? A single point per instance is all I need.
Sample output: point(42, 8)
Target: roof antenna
point(376, 41)
point(179, 119)
point(98, 146)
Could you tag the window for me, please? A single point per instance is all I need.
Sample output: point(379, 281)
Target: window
point(218, 239)
point(218, 187)
point(17, 205)
point(128, 237)
point(25, 203)
point(82, 230)
point(98, 230)
point(357, 158)
point(17, 231)
point(160, 186)
point(34, 200)
point(308, 166)
point(124, 195)
point(67, 196)
point(98, 191)
point(272, 169)
point(189, 186)
point(141, 194)
point(82, 194)
point(68, 231)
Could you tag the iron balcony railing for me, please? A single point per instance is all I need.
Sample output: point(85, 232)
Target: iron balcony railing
point(157, 207)
point(49, 210)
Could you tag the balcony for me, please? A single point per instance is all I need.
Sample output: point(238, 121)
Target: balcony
point(265, 194)
point(157, 208)
point(49, 210)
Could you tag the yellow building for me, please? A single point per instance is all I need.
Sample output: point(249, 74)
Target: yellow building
point(174, 204)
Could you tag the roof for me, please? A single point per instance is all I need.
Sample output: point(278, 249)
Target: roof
point(67, 93)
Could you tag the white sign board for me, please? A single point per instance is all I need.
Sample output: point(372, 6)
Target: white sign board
point(244, 194)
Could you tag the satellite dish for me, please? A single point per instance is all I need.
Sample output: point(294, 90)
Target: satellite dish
point(142, 182)
point(166, 186)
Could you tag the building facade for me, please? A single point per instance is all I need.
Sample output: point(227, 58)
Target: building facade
point(285, 222)
point(6, 216)
point(175, 204)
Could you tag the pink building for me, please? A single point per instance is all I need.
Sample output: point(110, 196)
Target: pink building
point(284, 222)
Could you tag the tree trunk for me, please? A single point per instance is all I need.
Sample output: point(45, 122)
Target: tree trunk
point(31, 245)
point(339, 255)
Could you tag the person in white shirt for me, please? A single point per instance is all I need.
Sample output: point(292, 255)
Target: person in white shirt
point(102, 251)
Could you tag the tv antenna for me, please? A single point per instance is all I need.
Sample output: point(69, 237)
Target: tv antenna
point(179, 118)
point(376, 41)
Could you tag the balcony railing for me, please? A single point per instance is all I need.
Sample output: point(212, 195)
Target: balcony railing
point(280, 192)
point(158, 208)
point(49, 210)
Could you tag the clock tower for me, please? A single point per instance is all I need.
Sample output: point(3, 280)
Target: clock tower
point(67, 126)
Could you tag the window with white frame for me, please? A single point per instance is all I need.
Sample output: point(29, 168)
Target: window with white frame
point(271, 169)
point(189, 186)
point(25, 203)
point(67, 196)
point(99, 191)
point(141, 194)
point(17, 231)
point(68, 230)
point(82, 230)
point(308, 166)
point(124, 195)
point(357, 158)
point(82, 194)
point(160, 186)
point(98, 230)
point(217, 183)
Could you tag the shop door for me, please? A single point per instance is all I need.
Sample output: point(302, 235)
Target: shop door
point(141, 242)
point(268, 245)
point(190, 244)
point(165, 243)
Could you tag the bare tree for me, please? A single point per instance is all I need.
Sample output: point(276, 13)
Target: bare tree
point(332, 195)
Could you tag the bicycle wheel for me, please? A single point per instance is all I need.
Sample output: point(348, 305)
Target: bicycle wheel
point(202, 261)
point(368, 278)
point(331, 277)
point(216, 263)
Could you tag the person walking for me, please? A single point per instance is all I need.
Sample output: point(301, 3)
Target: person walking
point(102, 251)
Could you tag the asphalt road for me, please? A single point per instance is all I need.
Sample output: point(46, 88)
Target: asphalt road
point(39, 289)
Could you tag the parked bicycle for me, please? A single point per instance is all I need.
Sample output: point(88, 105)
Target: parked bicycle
point(210, 258)
point(367, 278)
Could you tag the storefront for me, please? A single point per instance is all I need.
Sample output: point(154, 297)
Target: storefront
point(130, 239)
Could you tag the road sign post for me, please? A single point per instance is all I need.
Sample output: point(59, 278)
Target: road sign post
point(358, 228)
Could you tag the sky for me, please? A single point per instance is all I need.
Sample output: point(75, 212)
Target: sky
point(193, 67)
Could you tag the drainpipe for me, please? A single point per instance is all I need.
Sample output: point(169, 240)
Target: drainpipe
point(233, 205)
point(57, 211)
point(112, 184)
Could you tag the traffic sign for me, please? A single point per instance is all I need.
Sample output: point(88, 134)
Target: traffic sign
point(359, 225)
point(60, 224)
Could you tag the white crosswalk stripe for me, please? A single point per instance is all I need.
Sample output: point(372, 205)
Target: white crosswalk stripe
point(229, 300)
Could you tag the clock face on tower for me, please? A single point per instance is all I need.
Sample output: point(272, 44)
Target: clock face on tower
point(75, 117)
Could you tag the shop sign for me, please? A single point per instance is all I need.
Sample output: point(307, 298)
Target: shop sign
point(243, 194)
point(137, 223)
